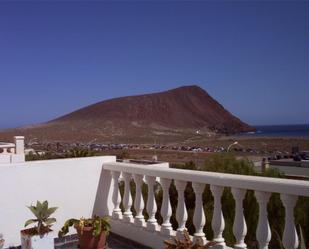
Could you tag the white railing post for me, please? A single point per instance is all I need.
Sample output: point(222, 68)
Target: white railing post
point(127, 199)
point(199, 219)
point(239, 226)
point(166, 209)
point(151, 207)
point(19, 145)
point(139, 201)
point(290, 238)
point(217, 219)
point(116, 197)
point(181, 212)
point(263, 233)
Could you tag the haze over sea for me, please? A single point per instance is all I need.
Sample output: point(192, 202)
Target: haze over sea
point(300, 130)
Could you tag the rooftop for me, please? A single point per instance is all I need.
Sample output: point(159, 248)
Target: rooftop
point(147, 203)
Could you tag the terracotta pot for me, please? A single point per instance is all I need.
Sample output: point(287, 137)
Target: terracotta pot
point(87, 241)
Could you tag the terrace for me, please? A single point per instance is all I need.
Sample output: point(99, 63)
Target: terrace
point(82, 187)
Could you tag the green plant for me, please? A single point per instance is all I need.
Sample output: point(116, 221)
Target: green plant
point(186, 243)
point(77, 152)
point(279, 243)
point(42, 213)
point(123, 155)
point(97, 223)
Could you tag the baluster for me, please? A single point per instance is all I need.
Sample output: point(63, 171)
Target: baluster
point(151, 207)
point(239, 226)
point(116, 196)
point(139, 201)
point(127, 199)
point(263, 232)
point(12, 150)
point(290, 238)
point(199, 219)
point(217, 219)
point(181, 212)
point(166, 209)
point(5, 150)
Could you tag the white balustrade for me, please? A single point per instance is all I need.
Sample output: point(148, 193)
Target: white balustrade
point(139, 201)
point(7, 148)
point(239, 226)
point(117, 214)
point(151, 207)
point(217, 219)
point(181, 212)
point(238, 184)
point(12, 152)
point(166, 209)
point(263, 233)
point(290, 238)
point(127, 199)
point(199, 219)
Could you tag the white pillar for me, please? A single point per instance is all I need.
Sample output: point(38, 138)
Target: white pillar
point(199, 219)
point(217, 219)
point(139, 201)
point(151, 207)
point(263, 233)
point(290, 238)
point(166, 209)
point(239, 226)
point(181, 212)
point(20, 145)
point(117, 214)
point(127, 199)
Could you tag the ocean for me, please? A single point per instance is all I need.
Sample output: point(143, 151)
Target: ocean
point(279, 131)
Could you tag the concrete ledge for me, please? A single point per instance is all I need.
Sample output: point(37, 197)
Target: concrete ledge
point(139, 234)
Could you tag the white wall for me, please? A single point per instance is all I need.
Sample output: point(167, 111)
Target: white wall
point(71, 184)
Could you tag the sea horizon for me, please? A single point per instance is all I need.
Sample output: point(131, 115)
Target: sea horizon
point(287, 130)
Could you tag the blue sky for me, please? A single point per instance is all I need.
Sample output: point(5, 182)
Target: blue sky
point(55, 57)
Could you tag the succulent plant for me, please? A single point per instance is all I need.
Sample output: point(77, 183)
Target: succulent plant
point(97, 223)
point(42, 213)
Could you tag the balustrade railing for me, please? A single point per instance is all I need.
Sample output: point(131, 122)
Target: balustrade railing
point(7, 148)
point(12, 152)
point(145, 218)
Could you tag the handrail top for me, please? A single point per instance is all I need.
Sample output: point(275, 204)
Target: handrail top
point(7, 145)
point(258, 183)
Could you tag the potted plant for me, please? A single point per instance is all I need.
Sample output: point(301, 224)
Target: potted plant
point(92, 233)
point(186, 243)
point(39, 236)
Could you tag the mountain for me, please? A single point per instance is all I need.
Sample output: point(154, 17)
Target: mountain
point(169, 116)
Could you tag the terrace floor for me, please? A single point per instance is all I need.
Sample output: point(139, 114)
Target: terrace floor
point(114, 242)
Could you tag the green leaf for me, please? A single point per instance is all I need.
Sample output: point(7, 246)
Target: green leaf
point(65, 229)
point(39, 205)
point(34, 210)
point(50, 211)
point(28, 222)
point(50, 221)
point(45, 206)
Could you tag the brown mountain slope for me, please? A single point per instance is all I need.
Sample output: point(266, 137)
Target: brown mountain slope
point(171, 116)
